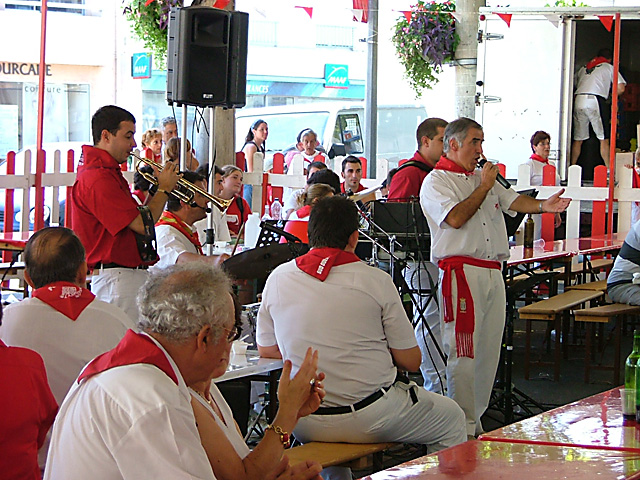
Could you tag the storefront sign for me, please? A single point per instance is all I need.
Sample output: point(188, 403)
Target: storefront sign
point(336, 76)
point(141, 65)
point(24, 69)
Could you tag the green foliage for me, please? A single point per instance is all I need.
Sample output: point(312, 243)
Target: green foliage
point(425, 42)
point(150, 22)
point(565, 3)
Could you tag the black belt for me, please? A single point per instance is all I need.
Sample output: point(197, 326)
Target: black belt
point(365, 402)
point(115, 265)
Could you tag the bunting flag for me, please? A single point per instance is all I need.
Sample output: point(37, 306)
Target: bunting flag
point(554, 19)
point(407, 15)
point(506, 17)
point(221, 4)
point(309, 10)
point(361, 10)
point(607, 21)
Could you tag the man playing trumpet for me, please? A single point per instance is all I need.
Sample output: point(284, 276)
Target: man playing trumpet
point(178, 240)
point(105, 216)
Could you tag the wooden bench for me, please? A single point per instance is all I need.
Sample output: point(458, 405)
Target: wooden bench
point(554, 309)
point(354, 455)
point(593, 267)
point(602, 315)
point(600, 285)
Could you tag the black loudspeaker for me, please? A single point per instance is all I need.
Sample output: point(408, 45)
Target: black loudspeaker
point(207, 57)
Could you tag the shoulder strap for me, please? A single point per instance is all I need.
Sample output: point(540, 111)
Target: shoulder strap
point(415, 163)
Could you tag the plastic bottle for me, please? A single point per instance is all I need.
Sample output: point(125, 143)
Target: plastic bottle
point(276, 209)
point(252, 230)
point(529, 228)
point(266, 215)
point(631, 365)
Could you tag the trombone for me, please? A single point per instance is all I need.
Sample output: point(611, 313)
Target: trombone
point(185, 190)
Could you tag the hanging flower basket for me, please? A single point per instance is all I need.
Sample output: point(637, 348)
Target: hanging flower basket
point(425, 42)
point(150, 22)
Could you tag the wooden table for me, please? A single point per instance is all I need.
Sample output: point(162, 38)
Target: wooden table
point(593, 422)
point(488, 460)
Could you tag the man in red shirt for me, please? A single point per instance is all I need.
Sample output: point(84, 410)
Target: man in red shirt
point(352, 174)
point(420, 274)
point(104, 214)
point(408, 178)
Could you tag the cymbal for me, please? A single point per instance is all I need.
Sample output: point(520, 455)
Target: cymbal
point(258, 263)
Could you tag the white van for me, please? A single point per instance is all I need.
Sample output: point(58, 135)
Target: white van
point(336, 123)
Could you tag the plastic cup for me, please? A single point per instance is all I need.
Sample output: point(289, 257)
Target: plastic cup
point(240, 348)
point(628, 400)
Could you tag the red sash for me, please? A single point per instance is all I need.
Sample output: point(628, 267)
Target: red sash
point(134, 348)
point(538, 158)
point(319, 261)
point(66, 298)
point(465, 316)
point(304, 211)
point(169, 218)
point(449, 165)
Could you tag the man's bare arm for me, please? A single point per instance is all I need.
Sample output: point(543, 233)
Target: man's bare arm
point(463, 211)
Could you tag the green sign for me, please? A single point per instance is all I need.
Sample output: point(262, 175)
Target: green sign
point(336, 76)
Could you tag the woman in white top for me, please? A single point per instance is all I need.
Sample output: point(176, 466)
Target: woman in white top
point(541, 147)
point(229, 456)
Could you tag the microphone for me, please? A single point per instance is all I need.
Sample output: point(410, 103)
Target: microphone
point(499, 178)
point(194, 204)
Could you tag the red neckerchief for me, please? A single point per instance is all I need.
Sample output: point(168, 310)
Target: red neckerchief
point(635, 182)
point(538, 158)
point(594, 62)
point(449, 165)
point(65, 297)
point(319, 261)
point(304, 211)
point(134, 348)
point(169, 218)
point(465, 324)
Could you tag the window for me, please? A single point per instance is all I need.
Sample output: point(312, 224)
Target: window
point(334, 36)
point(67, 6)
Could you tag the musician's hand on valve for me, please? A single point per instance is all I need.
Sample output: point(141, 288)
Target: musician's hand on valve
point(168, 177)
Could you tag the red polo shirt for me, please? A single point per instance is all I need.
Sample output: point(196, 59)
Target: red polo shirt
point(102, 209)
point(28, 410)
point(407, 182)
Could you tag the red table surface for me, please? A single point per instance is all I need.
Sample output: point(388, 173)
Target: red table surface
point(485, 460)
point(593, 422)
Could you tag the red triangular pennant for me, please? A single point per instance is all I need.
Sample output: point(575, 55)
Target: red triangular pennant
point(221, 4)
point(506, 17)
point(407, 14)
point(607, 21)
point(309, 10)
point(363, 6)
point(357, 14)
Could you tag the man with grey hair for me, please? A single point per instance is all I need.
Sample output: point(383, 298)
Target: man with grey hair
point(469, 243)
point(129, 414)
point(169, 129)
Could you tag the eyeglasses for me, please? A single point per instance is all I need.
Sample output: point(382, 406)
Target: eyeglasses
point(234, 333)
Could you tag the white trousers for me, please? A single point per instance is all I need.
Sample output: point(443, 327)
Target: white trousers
point(119, 286)
point(420, 277)
point(470, 380)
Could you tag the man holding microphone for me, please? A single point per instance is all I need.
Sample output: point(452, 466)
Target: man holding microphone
point(463, 207)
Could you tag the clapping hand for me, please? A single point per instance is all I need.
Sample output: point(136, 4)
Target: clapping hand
point(303, 393)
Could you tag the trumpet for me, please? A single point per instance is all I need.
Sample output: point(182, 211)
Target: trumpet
point(185, 190)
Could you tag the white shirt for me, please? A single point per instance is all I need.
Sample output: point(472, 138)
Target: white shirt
point(484, 236)
point(66, 346)
point(535, 169)
point(598, 82)
point(171, 243)
point(291, 203)
point(220, 227)
point(352, 318)
point(227, 424)
point(129, 422)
